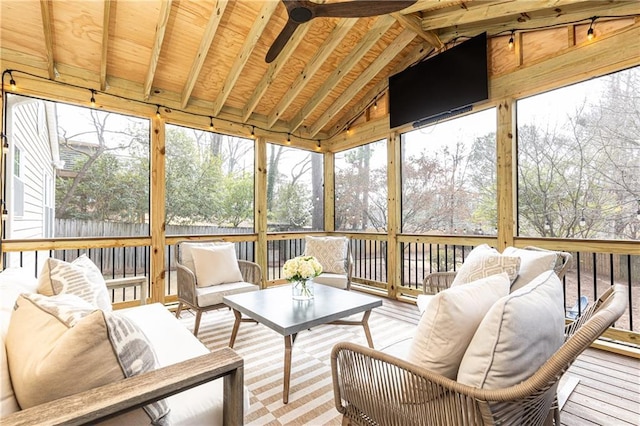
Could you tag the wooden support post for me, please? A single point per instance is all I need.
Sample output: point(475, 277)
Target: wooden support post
point(158, 191)
point(260, 210)
point(506, 172)
point(394, 254)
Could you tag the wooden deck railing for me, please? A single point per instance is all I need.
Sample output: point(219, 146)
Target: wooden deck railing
point(596, 265)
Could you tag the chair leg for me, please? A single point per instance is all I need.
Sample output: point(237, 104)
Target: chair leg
point(179, 310)
point(197, 325)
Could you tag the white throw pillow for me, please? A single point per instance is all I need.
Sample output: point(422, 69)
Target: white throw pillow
point(482, 265)
point(186, 258)
point(216, 265)
point(532, 264)
point(80, 277)
point(519, 333)
point(331, 252)
point(450, 321)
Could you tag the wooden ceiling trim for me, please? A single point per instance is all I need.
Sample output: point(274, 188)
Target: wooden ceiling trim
point(430, 5)
point(163, 19)
point(412, 22)
point(205, 45)
point(476, 12)
point(363, 79)
point(258, 27)
point(417, 54)
point(47, 28)
point(274, 69)
point(380, 26)
point(106, 22)
point(321, 55)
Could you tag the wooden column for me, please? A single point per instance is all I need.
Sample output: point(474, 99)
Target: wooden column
point(260, 209)
point(394, 254)
point(329, 192)
point(507, 175)
point(157, 200)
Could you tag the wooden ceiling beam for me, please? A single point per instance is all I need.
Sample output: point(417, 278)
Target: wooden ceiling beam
point(412, 22)
point(161, 26)
point(268, 8)
point(369, 73)
point(429, 5)
point(203, 49)
point(106, 21)
point(379, 28)
point(416, 55)
point(274, 69)
point(485, 11)
point(321, 55)
point(544, 18)
point(47, 27)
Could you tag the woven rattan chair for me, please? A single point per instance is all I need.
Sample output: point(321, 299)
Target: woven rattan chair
point(438, 281)
point(192, 296)
point(374, 388)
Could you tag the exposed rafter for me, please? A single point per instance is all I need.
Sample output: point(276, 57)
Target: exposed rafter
point(378, 29)
point(376, 66)
point(163, 18)
point(106, 21)
point(47, 28)
point(274, 69)
point(321, 55)
point(201, 55)
point(233, 74)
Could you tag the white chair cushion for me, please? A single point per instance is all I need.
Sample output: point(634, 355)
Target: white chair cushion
point(331, 252)
point(80, 277)
point(532, 264)
point(450, 321)
point(216, 265)
point(209, 296)
point(518, 334)
point(334, 280)
point(482, 265)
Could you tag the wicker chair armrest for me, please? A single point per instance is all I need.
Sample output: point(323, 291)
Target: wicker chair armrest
point(127, 394)
point(186, 281)
point(251, 272)
point(437, 281)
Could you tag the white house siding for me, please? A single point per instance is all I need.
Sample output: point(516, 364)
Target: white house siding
point(28, 130)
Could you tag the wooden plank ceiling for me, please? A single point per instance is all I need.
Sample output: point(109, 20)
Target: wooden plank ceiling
point(208, 56)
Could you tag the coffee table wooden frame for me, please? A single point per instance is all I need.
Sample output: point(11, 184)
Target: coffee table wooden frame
point(275, 308)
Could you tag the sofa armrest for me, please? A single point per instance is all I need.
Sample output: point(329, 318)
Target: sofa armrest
point(133, 392)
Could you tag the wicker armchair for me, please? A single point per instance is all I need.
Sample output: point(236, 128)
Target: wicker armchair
point(203, 299)
point(374, 388)
point(438, 281)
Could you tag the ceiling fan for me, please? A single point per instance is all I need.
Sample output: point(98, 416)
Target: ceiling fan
point(302, 11)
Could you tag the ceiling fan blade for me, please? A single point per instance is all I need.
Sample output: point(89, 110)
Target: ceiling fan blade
point(360, 8)
point(281, 40)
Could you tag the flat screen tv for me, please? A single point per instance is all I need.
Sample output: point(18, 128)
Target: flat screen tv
point(442, 85)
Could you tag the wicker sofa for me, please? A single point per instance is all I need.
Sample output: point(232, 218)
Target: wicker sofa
point(199, 386)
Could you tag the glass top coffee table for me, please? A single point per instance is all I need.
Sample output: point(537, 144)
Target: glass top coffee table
point(275, 308)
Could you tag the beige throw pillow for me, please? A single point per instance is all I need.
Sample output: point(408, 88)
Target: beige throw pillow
point(518, 334)
point(486, 264)
point(450, 321)
point(186, 258)
point(331, 252)
point(80, 277)
point(60, 345)
point(532, 264)
point(216, 265)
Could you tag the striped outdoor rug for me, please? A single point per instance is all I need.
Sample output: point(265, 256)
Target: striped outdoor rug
point(311, 393)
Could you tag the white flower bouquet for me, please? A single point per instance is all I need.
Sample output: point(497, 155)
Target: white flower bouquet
point(301, 268)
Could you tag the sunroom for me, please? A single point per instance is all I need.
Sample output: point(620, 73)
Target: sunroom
point(130, 127)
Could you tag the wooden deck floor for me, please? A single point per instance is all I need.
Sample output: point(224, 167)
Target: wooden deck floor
point(608, 389)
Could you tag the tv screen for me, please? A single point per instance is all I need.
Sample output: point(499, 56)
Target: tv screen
point(443, 84)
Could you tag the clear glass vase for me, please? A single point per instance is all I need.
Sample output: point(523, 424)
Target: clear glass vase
point(302, 290)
